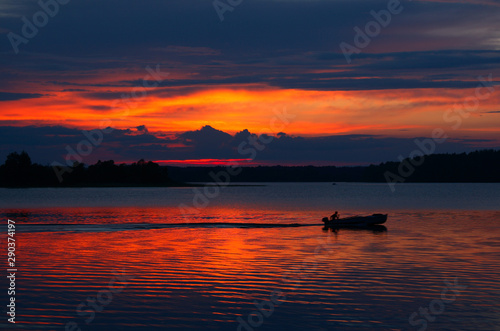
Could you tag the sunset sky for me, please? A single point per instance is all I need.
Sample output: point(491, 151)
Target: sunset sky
point(178, 84)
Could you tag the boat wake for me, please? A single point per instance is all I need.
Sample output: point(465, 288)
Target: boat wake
point(146, 226)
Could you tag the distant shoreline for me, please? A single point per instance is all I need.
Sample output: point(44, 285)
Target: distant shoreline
point(240, 184)
point(474, 167)
point(185, 185)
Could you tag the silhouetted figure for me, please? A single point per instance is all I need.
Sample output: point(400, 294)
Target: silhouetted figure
point(335, 216)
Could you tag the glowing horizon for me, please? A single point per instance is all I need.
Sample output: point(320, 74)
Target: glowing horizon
point(390, 112)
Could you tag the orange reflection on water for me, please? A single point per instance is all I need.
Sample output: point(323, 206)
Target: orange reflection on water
point(189, 275)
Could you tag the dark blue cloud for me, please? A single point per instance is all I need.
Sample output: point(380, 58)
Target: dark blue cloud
point(100, 107)
point(7, 96)
point(48, 144)
point(258, 42)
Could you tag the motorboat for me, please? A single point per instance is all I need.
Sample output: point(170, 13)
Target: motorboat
point(355, 221)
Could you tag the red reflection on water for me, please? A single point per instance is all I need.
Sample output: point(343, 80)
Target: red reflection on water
point(220, 271)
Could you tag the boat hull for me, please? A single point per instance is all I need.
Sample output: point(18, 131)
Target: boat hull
point(377, 228)
point(357, 221)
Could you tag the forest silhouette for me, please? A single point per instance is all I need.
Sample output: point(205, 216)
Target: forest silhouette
point(480, 166)
point(19, 171)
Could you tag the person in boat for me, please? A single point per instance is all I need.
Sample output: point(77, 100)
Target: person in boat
point(335, 216)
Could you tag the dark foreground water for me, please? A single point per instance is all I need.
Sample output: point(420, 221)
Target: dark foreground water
point(131, 259)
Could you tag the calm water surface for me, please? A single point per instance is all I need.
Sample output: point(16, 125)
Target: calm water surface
point(131, 259)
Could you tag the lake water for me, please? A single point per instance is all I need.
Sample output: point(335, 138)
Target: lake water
point(131, 259)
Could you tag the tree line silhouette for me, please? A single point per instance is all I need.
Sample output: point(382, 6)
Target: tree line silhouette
point(479, 166)
point(19, 171)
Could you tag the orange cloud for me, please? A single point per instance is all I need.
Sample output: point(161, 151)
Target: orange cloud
point(234, 108)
